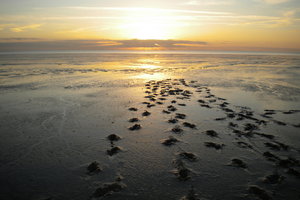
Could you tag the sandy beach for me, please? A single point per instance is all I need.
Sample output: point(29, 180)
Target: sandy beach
point(149, 126)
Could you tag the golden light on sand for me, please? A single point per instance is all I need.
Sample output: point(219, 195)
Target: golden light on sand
point(148, 66)
point(153, 76)
point(148, 60)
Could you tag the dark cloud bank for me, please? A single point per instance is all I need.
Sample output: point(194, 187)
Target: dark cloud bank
point(34, 44)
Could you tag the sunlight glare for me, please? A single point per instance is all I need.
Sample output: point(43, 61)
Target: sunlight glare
point(148, 66)
point(148, 24)
point(148, 60)
point(154, 76)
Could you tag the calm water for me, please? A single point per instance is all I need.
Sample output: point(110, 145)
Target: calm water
point(274, 74)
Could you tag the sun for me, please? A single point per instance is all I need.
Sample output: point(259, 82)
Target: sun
point(148, 24)
point(148, 29)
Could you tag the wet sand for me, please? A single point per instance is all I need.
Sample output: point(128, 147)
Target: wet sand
point(150, 127)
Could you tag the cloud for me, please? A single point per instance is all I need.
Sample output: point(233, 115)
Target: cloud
point(108, 43)
point(3, 26)
point(112, 45)
point(289, 13)
point(287, 18)
point(25, 28)
point(151, 10)
point(188, 44)
point(19, 39)
point(7, 45)
point(275, 1)
point(207, 2)
point(115, 17)
point(169, 44)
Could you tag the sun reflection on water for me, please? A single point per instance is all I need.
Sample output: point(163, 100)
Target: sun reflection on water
point(149, 72)
point(148, 66)
point(153, 76)
point(148, 60)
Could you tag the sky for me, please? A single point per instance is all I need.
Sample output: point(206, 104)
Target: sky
point(234, 25)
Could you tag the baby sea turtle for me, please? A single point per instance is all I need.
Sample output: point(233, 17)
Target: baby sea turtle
point(150, 105)
point(231, 124)
point(259, 192)
point(288, 162)
point(228, 110)
point(244, 145)
point(94, 167)
point(113, 137)
point(133, 109)
point(172, 108)
point(238, 163)
point(181, 171)
point(133, 120)
point(113, 151)
point(272, 146)
point(282, 145)
point(166, 112)
point(188, 155)
point(220, 118)
point(201, 101)
point(241, 133)
point(187, 124)
point(211, 133)
point(173, 121)
point(177, 129)
point(135, 127)
point(214, 145)
point(180, 116)
point(274, 178)
point(230, 115)
point(191, 195)
point(170, 141)
point(291, 111)
point(293, 172)
point(297, 125)
point(279, 123)
point(146, 113)
point(250, 127)
point(119, 178)
point(108, 189)
point(270, 156)
point(205, 105)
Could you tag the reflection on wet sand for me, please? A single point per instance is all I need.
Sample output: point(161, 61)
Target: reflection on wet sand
point(154, 76)
point(128, 126)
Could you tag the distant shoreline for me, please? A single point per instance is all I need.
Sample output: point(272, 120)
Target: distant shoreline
point(153, 52)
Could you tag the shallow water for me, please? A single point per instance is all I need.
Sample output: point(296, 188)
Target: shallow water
point(58, 109)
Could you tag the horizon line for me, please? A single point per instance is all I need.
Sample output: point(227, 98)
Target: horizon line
point(296, 53)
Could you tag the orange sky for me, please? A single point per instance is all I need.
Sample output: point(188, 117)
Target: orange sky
point(115, 24)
